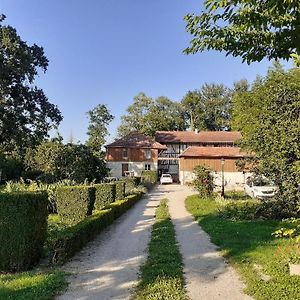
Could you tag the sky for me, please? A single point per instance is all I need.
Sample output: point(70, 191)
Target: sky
point(107, 51)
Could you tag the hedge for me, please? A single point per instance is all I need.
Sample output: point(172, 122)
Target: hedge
point(120, 189)
point(149, 176)
point(105, 195)
point(23, 229)
point(129, 184)
point(75, 203)
point(71, 239)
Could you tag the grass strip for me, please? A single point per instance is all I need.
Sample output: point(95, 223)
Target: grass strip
point(251, 249)
point(162, 273)
point(32, 285)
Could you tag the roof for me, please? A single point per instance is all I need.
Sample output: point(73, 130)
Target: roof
point(213, 152)
point(136, 140)
point(193, 137)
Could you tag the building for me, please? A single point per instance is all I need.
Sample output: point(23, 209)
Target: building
point(133, 153)
point(221, 160)
point(178, 141)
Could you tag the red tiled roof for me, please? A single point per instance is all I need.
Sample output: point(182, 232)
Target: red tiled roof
point(213, 152)
point(136, 140)
point(201, 137)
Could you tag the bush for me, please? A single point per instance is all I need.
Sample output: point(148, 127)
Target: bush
point(137, 180)
point(149, 176)
point(129, 185)
point(75, 203)
point(203, 182)
point(120, 189)
point(23, 219)
point(68, 241)
point(105, 194)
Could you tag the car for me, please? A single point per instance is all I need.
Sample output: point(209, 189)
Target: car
point(166, 178)
point(260, 187)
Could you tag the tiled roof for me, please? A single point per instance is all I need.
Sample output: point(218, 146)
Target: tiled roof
point(193, 137)
point(136, 140)
point(213, 152)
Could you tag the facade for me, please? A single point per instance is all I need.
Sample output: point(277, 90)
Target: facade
point(178, 141)
point(221, 160)
point(132, 154)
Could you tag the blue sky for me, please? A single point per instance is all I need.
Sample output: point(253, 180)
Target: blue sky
point(107, 51)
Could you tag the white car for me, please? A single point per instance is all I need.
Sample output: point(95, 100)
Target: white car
point(260, 187)
point(166, 178)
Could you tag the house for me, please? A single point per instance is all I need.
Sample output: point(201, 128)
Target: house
point(221, 160)
point(133, 153)
point(178, 141)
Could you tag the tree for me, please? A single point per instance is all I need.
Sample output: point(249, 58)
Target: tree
point(268, 117)
point(148, 116)
point(26, 115)
point(252, 30)
point(209, 107)
point(99, 119)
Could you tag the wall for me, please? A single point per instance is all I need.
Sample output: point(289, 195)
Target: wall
point(136, 167)
point(134, 154)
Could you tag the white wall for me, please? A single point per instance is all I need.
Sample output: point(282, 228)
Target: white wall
point(136, 167)
point(232, 180)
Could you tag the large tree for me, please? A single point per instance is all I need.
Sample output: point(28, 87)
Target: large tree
point(250, 29)
point(209, 107)
point(26, 115)
point(268, 116)
point(148, 115)
point(99, 119)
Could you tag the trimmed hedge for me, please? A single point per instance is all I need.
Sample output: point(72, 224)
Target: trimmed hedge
point(149, 176)
point(71, 239)
point(23, 229)
point(105, 195)
point(120, 189)
point(129, 184)
point(75, 203)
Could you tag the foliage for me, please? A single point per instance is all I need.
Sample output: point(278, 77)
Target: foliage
point(139, 189)
point(248, 244)
point(250, 29)
point(129, 184)
point(149, 176)
point(10, 167)
point(58, 162)
point(26, 114)
point(208, 108)
point(64, 241)
point(147, 116)
point(268, 118)
point(99, 119)
point(203, 182)
point(75, 203)
point(162, 273)
point(34, 285)
point(105, 194)
point(120, 189)
point(23, 218)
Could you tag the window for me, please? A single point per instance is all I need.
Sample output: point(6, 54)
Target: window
point(125, 153)
point(147, 167)
point(147, 153)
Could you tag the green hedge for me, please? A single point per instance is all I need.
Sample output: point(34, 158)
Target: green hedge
point(71, 239)
point(129, 184)
point(149, 176)
point(105, 194)
point(120, 189)
point(23, 229)
point(75, 203)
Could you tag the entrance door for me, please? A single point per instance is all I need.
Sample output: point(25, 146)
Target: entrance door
point(124, 169)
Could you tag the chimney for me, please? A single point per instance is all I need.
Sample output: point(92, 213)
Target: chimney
point(196, 131)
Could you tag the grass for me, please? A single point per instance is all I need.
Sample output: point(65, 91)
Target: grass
point(162, 273)
point(251, 249)
point(39, 285)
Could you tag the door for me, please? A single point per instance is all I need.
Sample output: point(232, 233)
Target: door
point(124, 169)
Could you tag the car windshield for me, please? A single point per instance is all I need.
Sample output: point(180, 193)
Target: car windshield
point(260, 181)
point(166, 175)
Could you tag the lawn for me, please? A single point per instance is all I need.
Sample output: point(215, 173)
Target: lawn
point(251, 249)
point(162, 273)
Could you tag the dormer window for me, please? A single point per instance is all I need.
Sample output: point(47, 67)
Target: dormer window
point(147, 154)
point(125, 153)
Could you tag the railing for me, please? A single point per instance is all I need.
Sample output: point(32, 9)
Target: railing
point(168, 155)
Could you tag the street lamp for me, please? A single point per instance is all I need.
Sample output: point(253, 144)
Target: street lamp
point(222, 166)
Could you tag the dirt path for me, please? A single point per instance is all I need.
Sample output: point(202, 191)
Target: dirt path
point(108, 267)
point(206, 273)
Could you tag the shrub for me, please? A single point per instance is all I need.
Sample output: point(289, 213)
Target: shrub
point(68, 241)
point(120, 189)
point(23, 219)
point(149, 176)
point(137, 180)
point(203, 182)
point(105, 194)
point(129, 185)
point(75, 203)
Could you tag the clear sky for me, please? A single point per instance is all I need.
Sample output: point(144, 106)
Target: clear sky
point(107, 51)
